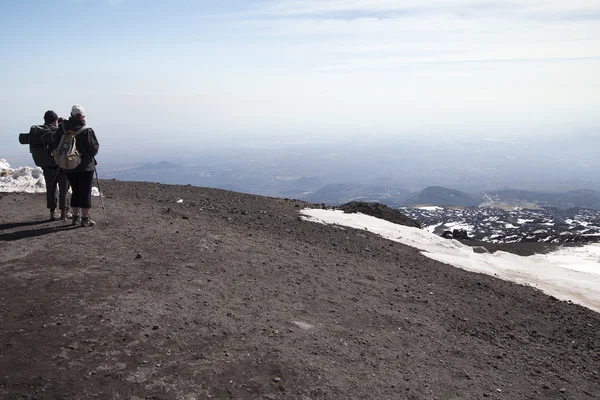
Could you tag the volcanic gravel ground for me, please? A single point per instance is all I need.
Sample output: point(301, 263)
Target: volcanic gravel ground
point(233, 296)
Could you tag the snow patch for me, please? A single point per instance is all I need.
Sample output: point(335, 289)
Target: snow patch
point(458, 225)
point(24, 179)
point(570, 274)
point(431, 228)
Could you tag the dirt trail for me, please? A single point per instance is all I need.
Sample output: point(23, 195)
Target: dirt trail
point(232, 296)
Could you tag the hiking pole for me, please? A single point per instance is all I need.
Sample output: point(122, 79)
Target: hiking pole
point(56, 174)
point(100, 192)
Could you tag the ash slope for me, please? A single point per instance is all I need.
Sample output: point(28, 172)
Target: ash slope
point(235, 297)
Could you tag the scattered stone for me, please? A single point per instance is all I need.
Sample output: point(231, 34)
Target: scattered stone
point(460, 234)
point(138, 256)
point(480, 250)
point(303, 325)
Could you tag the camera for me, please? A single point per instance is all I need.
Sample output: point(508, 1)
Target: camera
point(24, 138)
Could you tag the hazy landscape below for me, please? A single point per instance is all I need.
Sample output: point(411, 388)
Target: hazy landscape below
point(366, 167)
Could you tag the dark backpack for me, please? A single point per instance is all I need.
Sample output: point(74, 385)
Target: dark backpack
point(40, 145)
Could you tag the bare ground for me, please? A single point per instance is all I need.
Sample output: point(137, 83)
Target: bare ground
point(232, 296)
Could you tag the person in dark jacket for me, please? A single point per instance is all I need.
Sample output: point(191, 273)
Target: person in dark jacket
point(53, 175)
point(81, 176)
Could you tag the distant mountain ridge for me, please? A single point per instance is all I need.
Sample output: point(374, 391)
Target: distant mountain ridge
point(315, 188)
point(441, 196)
point(340, 193)
point(583, 198)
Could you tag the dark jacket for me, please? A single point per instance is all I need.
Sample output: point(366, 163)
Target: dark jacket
point(87, 144)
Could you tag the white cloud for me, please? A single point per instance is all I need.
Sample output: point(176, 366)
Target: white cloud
point(525, 8)
point(376, 33)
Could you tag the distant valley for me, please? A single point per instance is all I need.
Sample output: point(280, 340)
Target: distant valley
point(556, 172)
point(312, 189)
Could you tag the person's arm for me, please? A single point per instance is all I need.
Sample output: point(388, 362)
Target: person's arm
point(57, 135)
point(93, 145)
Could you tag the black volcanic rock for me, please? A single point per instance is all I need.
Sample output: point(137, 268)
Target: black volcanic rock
point(441, 196)
point(496, 225)
point(379, 211)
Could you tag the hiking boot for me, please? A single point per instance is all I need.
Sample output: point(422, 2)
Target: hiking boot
point(63, 215)
point(75, 219)
point(53, 215)
point(86, 221)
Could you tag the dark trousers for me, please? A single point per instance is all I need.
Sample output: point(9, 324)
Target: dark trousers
point(81, 183)
point(54, 178)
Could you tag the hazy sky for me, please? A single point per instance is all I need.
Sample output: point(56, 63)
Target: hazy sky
point(195, 68)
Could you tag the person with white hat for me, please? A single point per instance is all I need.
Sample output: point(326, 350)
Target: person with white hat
point(82, 175)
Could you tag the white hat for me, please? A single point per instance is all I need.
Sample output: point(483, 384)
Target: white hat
point(77, 110)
